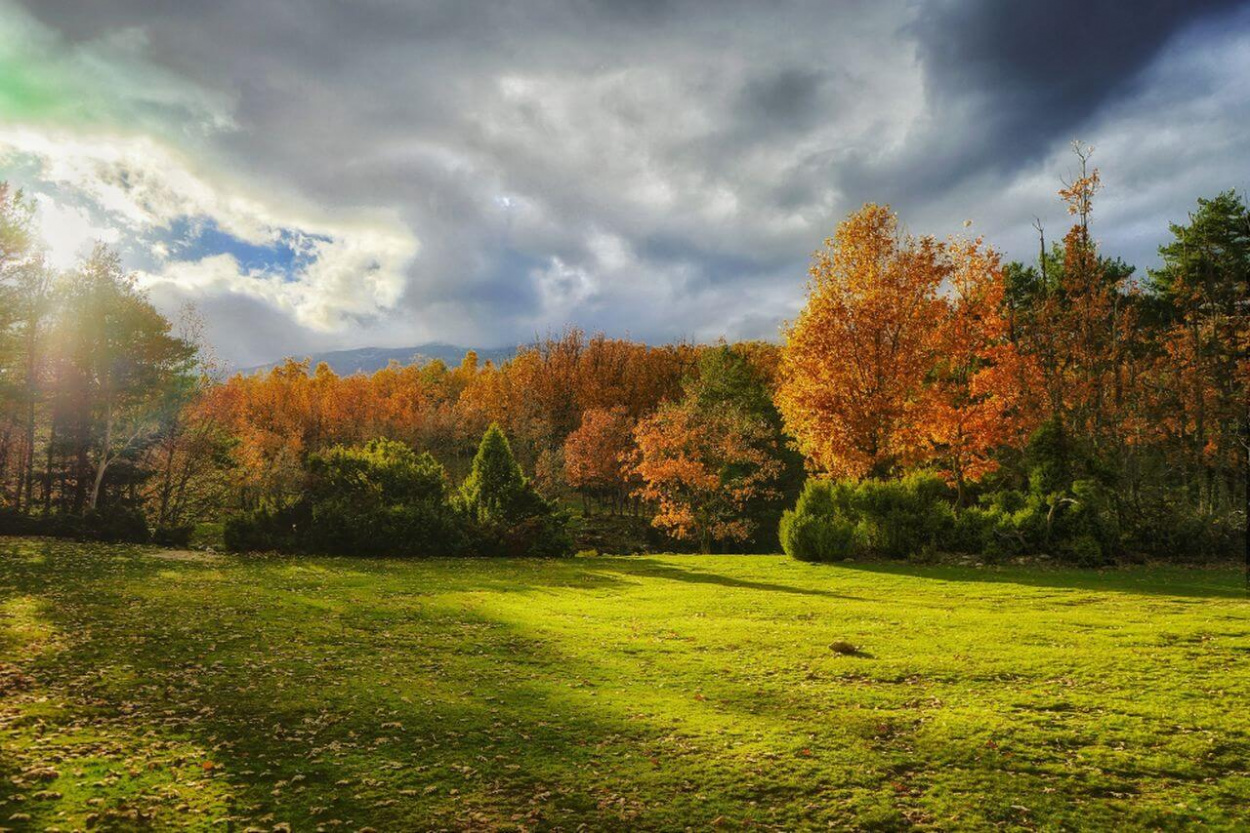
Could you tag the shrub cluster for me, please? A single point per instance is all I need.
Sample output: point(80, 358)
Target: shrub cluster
point(114, 523)
point(893, 518)
point(1062, 509)
point(383, 498)
point(916, 517)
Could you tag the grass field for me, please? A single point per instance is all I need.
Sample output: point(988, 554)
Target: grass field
point(219, 692)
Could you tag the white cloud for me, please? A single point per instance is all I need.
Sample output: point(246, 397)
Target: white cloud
point(355, 266)
point(68, 231)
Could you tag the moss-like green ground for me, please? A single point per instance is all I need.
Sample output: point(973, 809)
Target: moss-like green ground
point(218, 692)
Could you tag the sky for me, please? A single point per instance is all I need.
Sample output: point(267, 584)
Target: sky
point(324, 174)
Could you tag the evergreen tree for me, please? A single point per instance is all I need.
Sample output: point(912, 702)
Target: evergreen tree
point(511, 517)
point(496, 490)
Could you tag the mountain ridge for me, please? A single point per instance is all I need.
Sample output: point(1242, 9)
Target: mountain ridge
point(373, 359)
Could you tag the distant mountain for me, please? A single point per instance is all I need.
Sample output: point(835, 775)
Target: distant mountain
point(370, 359)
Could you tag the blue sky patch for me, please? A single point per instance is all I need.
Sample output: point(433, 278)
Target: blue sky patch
point(195, 238)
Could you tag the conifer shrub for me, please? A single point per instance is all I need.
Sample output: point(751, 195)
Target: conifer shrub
point(905, 518)
point(506, 513)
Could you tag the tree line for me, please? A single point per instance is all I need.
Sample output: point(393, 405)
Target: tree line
point(1071, 406)
point(927, 398)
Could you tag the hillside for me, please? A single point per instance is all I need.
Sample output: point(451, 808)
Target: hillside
point(370, 359)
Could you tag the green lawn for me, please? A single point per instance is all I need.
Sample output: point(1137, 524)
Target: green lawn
point(619, 693)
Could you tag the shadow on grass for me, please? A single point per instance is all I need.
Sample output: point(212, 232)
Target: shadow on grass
point(424, 721)
point(1220, 582)
point(655, 569)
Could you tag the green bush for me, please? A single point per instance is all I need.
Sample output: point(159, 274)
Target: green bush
point(209, 535)
point(117, 523)
point(915, 517)
point(17, 523)
point(1077, 524)
point(974, 530)
point(381, 498)
point(266, 529)
point(1167, 523)
point(173, 536)
point(905, 518)
point(815, 529)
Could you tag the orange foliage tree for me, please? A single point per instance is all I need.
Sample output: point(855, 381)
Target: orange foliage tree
point(279, 417)
point(975, 402)
point(855, 360)
point(1082, 327)
point(596, 455)
point(701, 468)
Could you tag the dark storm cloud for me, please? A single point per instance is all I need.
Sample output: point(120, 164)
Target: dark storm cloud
point(787, 100)
point(664, 168)
point(1032, 71)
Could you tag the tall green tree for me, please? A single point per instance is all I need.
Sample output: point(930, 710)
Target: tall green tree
point(1202, 294)
point(122, 369)
point(23, 308)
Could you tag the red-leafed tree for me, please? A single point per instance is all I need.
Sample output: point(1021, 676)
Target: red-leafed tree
point(596, 456)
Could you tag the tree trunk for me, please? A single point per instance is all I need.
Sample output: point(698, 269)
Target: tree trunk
point(47, 472)
point(105, 450)
point(28, 464)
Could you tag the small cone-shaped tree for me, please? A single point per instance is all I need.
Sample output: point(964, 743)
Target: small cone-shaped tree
point(510, 516)
point(496, 488)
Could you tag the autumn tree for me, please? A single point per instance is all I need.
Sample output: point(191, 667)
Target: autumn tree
point(976, 390)
point(739, 380)
point(188, 456)
point(1075, 314)
point(715, 463)
point(1098, 320)
point(855, 361)
point(596, 456)
point(700, 470)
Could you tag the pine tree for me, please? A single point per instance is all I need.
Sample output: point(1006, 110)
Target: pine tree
point(495, 490)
